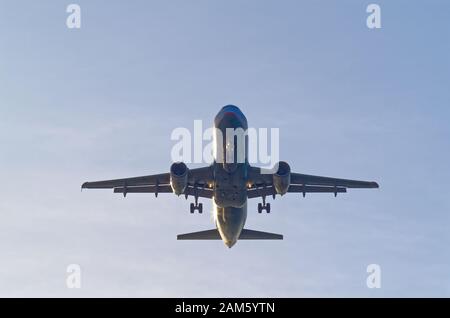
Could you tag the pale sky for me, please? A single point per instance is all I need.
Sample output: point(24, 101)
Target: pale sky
point(101, 102)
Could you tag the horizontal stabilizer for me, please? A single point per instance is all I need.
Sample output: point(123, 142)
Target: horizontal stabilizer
point(202, 235)
point(258, 235)
point(245, 235)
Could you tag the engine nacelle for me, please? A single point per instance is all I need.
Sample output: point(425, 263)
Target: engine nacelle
point(282, 178)
point(178, 177)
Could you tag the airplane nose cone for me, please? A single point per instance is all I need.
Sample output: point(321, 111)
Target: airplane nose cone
point(231, 108)
point(230, 116)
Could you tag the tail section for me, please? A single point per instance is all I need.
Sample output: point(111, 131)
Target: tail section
point(245, 235)
point(258, 235)
point(202, 235)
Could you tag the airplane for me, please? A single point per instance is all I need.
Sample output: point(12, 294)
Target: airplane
point(229, 184)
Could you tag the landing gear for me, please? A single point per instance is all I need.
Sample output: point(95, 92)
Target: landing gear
point(264, 206)
point(196, 206)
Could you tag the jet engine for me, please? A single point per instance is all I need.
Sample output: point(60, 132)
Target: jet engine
point(282, 178)
point(178, 177)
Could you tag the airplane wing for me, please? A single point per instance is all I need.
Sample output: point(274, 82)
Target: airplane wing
point(190, 190)
point(270, 191)
point(198, 181)
point(262, 184)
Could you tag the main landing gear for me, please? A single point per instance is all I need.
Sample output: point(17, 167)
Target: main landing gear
point(264, 206)
point(197, 206)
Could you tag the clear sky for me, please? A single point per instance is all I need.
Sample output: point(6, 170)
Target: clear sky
point(101, 102)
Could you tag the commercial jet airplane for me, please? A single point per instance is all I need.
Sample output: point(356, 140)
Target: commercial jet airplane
point(229, 185)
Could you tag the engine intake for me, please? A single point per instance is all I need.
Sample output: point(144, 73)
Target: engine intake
point(178, 177)
point(282, 178)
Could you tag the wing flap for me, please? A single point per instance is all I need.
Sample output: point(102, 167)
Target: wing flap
point(144, 189)
point(298, 178)
point(200, 192)
point(268, 191)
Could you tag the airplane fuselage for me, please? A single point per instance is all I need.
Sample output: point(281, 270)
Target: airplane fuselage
point(230, 177)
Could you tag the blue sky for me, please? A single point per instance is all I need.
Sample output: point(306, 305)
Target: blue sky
point(101, 102)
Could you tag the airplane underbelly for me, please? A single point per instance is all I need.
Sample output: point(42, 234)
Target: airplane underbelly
point(235, 198)
point(230, 221)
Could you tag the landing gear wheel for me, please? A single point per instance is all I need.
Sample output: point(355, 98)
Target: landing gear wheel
point(260, 208)
point(200, 208)
point(268, 207)
point(192, 208)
